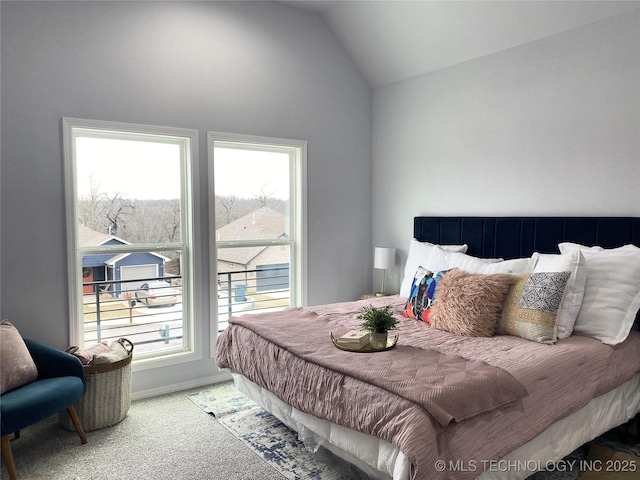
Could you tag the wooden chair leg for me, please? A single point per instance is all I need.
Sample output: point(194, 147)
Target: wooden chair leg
point(8, 457)
point(76, 423)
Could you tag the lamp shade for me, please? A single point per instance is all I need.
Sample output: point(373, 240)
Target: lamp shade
point(384, 257)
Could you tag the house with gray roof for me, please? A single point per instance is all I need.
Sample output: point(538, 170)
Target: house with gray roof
point(263, 268)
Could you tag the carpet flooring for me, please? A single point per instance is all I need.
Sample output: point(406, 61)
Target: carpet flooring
point(612, 456)
point(171, 437)
point(162, 438)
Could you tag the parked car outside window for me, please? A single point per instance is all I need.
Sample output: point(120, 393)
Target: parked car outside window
point(155, 294)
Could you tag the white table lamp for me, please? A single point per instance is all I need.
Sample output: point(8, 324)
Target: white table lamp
point(383, 258)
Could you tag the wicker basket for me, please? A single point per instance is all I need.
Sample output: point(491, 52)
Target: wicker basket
point(108, 396)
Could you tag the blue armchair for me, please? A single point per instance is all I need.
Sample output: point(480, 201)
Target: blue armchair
point(61, 383)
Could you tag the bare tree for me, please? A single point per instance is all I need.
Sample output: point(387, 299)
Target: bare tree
point(227, 203)
point(262, 196)
point(136, 221)
point(117, 207)
point(91, 206)
point(171, 224)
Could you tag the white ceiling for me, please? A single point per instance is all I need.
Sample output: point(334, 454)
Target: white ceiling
point(391, 41)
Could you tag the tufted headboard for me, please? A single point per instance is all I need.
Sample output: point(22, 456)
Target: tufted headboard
point(516, 237)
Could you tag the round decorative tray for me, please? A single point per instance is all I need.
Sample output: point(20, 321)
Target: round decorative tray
point(391, 342)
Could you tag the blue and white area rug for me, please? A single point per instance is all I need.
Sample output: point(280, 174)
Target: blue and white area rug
point(280, 447)
point(269, 437)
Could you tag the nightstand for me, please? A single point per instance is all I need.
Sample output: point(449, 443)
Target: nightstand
point(374, 295)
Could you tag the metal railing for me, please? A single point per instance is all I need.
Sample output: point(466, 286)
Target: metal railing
point(251, 291)
point(113, 309)
point(118, 308)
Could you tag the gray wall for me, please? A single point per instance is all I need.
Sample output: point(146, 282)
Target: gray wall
point(551, 127)
point(252, 68)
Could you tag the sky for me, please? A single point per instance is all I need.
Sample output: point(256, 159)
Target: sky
point(151, 170)
point(137, 170)
point(247, 174)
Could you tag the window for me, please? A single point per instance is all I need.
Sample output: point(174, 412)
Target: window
point(257, 224)
point(131, 236)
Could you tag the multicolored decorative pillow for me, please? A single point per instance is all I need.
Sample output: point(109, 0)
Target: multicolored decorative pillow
point(530, 310)
point(422, 295)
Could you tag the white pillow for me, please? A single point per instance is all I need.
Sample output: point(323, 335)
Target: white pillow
point(468, 263)
point(611, 294)
point(419, 256)
point(517, 265)
point(488, 266)
point(572, 261)
point(439, 259)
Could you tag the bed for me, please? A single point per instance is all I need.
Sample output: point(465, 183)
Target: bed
point(501, 406)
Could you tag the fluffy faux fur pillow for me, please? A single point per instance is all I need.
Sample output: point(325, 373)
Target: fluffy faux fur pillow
point(469, 303)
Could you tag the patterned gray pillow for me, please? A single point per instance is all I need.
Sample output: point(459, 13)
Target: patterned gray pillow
point(532, 305)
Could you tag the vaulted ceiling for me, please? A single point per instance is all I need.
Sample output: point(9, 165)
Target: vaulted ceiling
point(391, 41)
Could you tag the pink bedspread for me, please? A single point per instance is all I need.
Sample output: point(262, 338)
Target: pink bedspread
point(449, 387)
point(560, 379)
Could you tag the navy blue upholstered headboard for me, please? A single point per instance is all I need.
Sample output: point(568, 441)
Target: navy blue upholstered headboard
point(516, 237)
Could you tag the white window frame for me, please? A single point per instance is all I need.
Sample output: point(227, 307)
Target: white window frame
point(189, 244)
point(297, 215)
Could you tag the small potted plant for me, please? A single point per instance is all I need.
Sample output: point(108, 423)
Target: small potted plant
point(378, 321)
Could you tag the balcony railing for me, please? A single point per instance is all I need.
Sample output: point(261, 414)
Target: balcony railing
point(152, 319)
point(154, 325)
point(251, 291)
